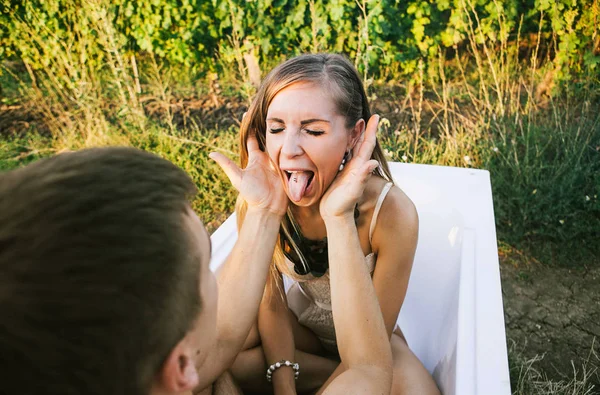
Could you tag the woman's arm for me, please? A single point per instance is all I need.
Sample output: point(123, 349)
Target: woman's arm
point(394, 241)
point(276, 334)
point(360, 330)
point(361, 336)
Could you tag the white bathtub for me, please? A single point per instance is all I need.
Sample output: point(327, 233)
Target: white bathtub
point(452, 316)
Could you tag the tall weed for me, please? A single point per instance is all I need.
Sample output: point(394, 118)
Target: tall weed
point(528, 379)
point(484, 106)
point(86, 90)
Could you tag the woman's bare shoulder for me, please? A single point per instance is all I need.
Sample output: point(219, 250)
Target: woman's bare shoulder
point(396, 207)
point(372, 191)
point(398, 214)
point(396, 198)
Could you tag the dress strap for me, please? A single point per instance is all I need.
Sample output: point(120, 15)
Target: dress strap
point(382, 196)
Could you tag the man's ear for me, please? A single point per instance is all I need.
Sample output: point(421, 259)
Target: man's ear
point(179, 372)
point(355, 133)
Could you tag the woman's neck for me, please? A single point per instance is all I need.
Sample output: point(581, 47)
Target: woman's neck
point(310, 221)
point(307, 213)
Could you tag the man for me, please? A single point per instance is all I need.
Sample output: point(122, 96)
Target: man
point(105, 286)
point(104, 280)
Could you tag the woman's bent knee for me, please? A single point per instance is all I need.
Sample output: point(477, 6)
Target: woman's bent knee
point(410, 376)
point(253, 339)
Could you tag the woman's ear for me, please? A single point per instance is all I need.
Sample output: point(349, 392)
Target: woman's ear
point(178, 373)
point(355, 133)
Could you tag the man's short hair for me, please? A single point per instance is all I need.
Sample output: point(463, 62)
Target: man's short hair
point(98, 276)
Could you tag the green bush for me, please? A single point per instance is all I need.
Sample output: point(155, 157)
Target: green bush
point(546, 183)
point(507, 85)
point(397, 34)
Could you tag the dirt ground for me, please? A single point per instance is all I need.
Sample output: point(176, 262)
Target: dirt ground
point(553, 312)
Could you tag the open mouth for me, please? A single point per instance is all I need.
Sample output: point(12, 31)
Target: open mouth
point(299, 183)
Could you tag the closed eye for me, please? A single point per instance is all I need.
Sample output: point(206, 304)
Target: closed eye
point(275, 130)
point(314, 132)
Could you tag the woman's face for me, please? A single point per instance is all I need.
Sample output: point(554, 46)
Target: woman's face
point(307, 139)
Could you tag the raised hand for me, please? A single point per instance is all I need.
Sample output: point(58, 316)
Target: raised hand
point(259, 184)
point(349, 185)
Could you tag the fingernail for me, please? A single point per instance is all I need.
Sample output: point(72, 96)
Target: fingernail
point(211, 155)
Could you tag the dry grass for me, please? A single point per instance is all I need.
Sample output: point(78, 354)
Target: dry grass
point(527, 379)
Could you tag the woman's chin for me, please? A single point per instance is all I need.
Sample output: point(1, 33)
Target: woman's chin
point(304, 202)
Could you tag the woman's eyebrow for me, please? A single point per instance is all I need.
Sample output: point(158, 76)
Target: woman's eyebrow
point(312, 120)
point(304, 122)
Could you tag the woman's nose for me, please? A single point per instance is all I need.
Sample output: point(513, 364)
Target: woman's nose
point(291, 145)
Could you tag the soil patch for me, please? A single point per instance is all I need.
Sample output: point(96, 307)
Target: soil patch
point(553, 312)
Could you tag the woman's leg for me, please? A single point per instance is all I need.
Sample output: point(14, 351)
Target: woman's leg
point(250, 367)
point(225, 385)
point(410, 376)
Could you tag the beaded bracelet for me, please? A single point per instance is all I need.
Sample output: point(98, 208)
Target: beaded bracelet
point(279, 364)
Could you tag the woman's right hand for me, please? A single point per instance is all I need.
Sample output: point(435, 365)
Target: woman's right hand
point(259, 184)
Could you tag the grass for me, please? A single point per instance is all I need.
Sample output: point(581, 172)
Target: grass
point(544, 165)
point(546, 178)
point(215, 198)
point(527, 379)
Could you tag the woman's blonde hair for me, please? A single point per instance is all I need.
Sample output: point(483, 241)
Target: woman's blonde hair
point(336, 75)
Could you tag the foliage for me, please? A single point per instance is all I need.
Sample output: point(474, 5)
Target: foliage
point(507, 85)
point(392, 35)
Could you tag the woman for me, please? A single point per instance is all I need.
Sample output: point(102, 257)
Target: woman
point(364, 349)
point(310, 117)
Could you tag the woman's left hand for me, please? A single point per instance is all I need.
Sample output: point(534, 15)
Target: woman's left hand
point(348, 186)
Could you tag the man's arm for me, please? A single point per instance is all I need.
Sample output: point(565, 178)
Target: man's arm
point(243, 276)
point(241, 284)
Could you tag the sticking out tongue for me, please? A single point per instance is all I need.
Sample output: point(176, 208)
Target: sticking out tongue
point(298, 183)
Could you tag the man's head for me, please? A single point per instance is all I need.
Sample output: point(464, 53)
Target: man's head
point(104, 279)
